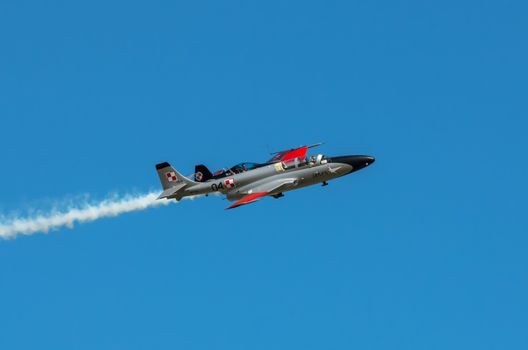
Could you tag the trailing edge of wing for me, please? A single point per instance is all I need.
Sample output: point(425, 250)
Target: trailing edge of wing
point(250, 198)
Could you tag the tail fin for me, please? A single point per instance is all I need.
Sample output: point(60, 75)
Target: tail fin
point(169, 177)
point(201, 173)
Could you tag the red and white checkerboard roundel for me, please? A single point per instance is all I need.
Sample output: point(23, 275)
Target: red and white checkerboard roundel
point(171, 176)
point(229, 183)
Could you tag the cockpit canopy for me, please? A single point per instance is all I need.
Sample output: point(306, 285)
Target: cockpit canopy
point(306, 161)
point(296, 162)
point(241, 167)
point(237, 169)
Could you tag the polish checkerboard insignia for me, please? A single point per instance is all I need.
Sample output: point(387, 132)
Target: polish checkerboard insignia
point(171, 176)
point(229, 183)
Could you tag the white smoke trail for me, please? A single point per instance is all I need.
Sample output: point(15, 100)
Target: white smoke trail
point(87, 212)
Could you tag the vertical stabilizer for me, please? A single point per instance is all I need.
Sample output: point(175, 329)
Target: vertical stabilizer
point(169, 177)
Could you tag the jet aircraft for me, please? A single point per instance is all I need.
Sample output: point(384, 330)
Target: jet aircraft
point(248, 182)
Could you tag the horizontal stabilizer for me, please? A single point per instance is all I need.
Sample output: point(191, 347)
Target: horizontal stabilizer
point(171, 192)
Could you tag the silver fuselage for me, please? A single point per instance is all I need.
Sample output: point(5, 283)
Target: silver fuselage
point(237, 186)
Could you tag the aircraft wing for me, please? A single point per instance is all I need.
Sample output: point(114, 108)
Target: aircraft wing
point(247, 199)
point(260, 191)
point(299, 152)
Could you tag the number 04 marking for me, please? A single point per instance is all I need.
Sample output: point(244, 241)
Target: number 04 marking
point(218, 186)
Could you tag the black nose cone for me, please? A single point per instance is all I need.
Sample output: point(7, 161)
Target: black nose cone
point(356, 162)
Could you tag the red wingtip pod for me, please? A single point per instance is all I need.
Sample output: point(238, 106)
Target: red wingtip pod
point(296, 153)
point(250, 198)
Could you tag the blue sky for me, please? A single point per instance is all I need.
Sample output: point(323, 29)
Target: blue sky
point(426, 249)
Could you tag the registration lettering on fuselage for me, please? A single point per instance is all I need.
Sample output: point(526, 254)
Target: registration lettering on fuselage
point(320, 173)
